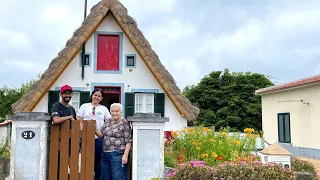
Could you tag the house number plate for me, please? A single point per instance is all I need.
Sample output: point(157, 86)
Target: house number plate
point(28, 134)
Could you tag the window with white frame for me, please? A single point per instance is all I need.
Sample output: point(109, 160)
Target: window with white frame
point(75, 100)
point(144, 103)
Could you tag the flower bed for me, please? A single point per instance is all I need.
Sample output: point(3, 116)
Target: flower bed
point(205, 144)
point(255, 170)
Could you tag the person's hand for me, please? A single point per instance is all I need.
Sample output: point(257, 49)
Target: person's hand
point(8, 121)
point(71, 118)
point(124, 159)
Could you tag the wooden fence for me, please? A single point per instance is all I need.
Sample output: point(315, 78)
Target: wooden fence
point(64, 161)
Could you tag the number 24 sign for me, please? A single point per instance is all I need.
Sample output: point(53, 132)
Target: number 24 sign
point(28, 134)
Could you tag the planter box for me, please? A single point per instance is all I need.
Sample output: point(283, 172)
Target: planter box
point(4, 167)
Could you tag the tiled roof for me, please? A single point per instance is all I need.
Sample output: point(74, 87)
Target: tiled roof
point(293, 84)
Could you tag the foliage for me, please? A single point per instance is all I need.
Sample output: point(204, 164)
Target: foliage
point(228, 170)
point(195, 170)
point(202, 143)
point(227, 99)
point(303, 166)
point(8, 96)
point(5, 149)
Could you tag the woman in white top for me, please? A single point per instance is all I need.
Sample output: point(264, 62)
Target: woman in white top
point(95, 110)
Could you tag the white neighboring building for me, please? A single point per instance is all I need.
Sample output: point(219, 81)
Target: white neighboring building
point(119, 60)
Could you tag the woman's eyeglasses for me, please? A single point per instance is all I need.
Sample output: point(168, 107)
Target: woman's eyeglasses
point(94, 110)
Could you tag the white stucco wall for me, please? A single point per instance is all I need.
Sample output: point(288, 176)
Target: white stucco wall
point(304, 119)
point(139, 78)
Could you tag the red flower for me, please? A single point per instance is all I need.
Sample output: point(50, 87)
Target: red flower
point(180, 159)
point(220, 158)
point(168, 135)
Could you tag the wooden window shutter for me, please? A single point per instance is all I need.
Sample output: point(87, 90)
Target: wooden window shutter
point(129, 104)
point(84, 97)
point(159, 103)
point(53, 97)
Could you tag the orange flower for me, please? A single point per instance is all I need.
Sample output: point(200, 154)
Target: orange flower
point(220, 158)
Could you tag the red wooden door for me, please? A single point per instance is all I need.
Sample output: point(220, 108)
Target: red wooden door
point(108, 52)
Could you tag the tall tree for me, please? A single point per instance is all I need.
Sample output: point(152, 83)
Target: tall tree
point(228, 99)
point(8, 96)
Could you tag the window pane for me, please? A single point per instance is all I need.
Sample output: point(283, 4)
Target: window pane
point(86, 60)
point(76, 97)
point(75, 105)
point(130, 61)
point(139, 103)
point(149, 108)
point(287, 128)
point(280, 128)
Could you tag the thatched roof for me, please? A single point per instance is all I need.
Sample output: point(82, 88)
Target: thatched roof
point(82, 34)
point(275, 149)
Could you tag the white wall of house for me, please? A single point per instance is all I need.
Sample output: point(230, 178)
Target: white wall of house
point(139, 78)
point(304, 119)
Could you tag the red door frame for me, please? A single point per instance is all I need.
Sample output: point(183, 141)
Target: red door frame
point(106, 92)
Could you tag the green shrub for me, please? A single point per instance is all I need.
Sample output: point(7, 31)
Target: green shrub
point(230, 171)
point(299, 165)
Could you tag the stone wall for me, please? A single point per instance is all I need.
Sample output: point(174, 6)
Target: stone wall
point(3, 133)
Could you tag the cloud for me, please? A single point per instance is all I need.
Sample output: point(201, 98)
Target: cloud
point(144, 9)
point(61, 15)
point(14, 40)
point(174, 30)
point(6, 6)
point(23, 66)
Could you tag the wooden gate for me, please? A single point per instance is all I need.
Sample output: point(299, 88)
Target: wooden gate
point(65, 147)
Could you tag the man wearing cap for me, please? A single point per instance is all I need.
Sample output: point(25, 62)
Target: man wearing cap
point(63, 111)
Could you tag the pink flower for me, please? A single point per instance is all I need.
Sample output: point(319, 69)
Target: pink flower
point(221, 165)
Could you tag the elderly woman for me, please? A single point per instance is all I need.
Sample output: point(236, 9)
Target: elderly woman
point(116, 133)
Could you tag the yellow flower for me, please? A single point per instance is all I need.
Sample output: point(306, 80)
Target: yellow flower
point(223, 133)
point(211, 140)
point(257, 135)
point(183, 130)
point(204, 155)
point(248, 130)
point(175, 134)
point(204, 129)
point(237, 142)
point(190, 129)
point(198, 148)
point(194, 143)
point(214, 155)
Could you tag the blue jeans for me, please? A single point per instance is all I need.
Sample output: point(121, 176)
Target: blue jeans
point(97, 158)
point(111, 166)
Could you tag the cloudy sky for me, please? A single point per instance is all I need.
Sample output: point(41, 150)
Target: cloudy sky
point(279, 38)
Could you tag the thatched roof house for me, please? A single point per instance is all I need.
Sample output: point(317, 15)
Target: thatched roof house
point(86, 31)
